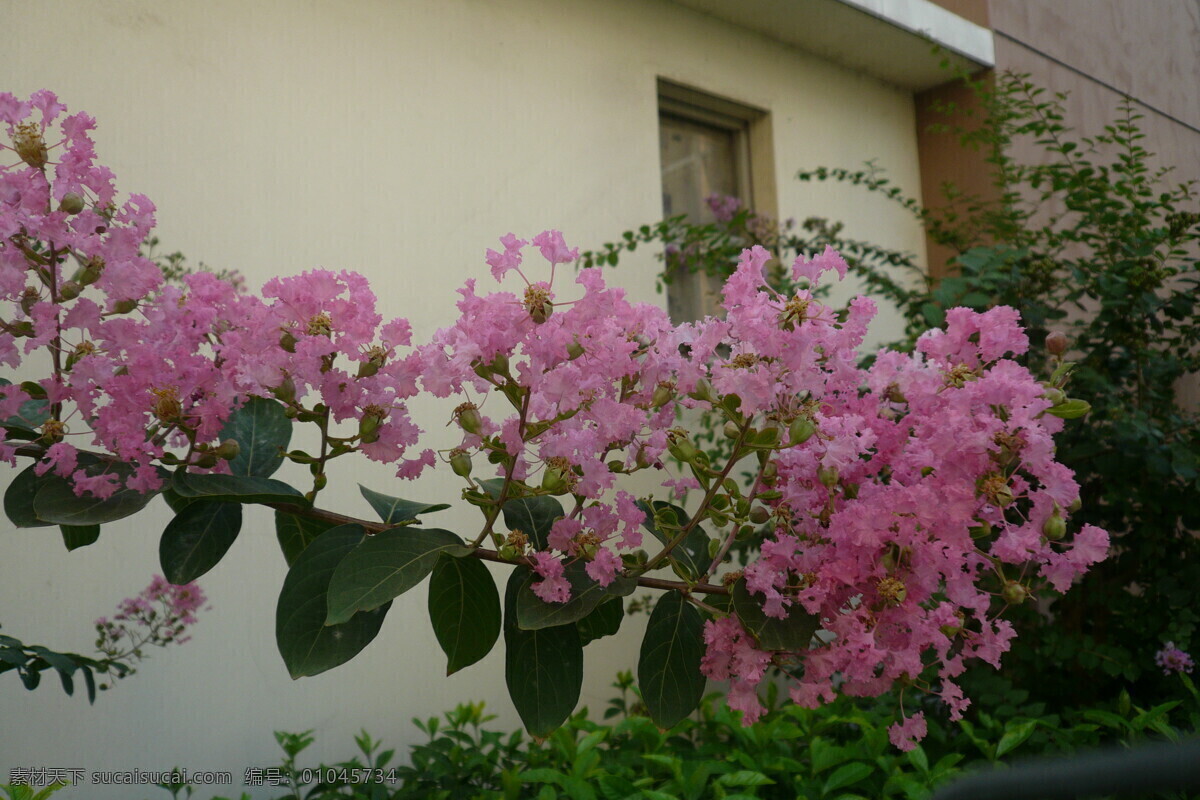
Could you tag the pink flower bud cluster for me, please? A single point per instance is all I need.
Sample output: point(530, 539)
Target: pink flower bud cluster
point(1173, 660)
point(159, 615)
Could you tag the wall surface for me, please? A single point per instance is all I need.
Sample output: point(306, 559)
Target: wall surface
point(399, 140)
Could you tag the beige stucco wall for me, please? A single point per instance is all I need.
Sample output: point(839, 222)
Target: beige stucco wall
point(399, 139)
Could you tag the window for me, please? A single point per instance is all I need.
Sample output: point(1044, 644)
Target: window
point(708, 145)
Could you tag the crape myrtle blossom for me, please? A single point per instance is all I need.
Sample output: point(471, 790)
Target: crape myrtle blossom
point(901, 507)
point(142, 370)
point(1173, 660)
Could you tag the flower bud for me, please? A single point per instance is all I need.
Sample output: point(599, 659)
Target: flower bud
point(508, 552)
point(376, 357)
point(704, 391)
point(91, 271)
point(732, 430)
point(460, 462)
point(368, 425)
point(1056, 343)
point(69, 290)
point(228, 449)
point(124, 306)
point(683, 449)
point(801, 430)
point(759, 515)
point(287, 341)
point(72, 203)
point(467, 416)
point(1055, 527)
point(1055, 396)
point(663, 393)
point(206, 460)
point(1076, 504)
point(1014, 593)
point(980, 531)
point(286, 391)
point(574, 350)
point(828, 476)
point(554, 482)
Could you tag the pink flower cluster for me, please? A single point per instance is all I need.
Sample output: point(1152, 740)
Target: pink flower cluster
point(906, 504)
point(1173, 660)
point(159, 615)
point(142, 370)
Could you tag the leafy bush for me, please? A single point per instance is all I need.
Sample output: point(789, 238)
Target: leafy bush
point(840, 750)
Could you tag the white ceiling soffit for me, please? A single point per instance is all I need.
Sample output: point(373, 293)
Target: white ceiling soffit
point(888, 39)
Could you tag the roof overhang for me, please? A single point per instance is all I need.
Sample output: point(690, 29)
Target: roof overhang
point(891, 40)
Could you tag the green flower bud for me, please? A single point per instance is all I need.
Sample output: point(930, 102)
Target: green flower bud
point(228, 449)
point(1055, 527)
point(704, 391)
point(468, 418)
point(759, 515)
point(1076, 504)
point(801, 430)
point(828, 476)
point(72, 203)
point(574, 350)
point(320, 481)
point(980, 531)
point(69, 290)
point(732, 430)
point(554, 482)
point(1014, 593)
point(124, 306)
point(286, 391)
point(287, 341)
point(663, 393)
point(460, 463)
point(508, 552)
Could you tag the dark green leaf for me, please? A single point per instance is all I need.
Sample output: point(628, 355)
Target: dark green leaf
point(464, 608)
point(30, 416)
point(543, 669)
point(18, 500)
point(76, 536)
point(1071, 409)
point(533, 516)
point(1015, 734)
point(296, 533)
point(384, 566)
point(792, 633)
point(669, 666)
point(605, 620)
point(235, 489)
point(197, 539)
point(691, 555)
point(262, 432)
point(534, 613)
point(847, 775)
point(395, 511)
point(307, 644)
point(57, 502)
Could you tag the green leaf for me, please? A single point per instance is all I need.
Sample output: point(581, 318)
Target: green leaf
point(235, 489)
point(744, 777)
point(534, 613)
point(847, 775)
point(669, 665)
point(691, 555)
point(395, 511)
point(197, 539)
point(30, 416)
point(1071, 409)
point(533, 516)
point(296, 533)
point(543, 669)
point(793, 633)
point(76, 536)
point(384, 566)
point(464, 609)
point(57, 502)
point(262, 432)
point(605, 620)
point(307, 644)
point(1015, 734)
point(18, 500)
